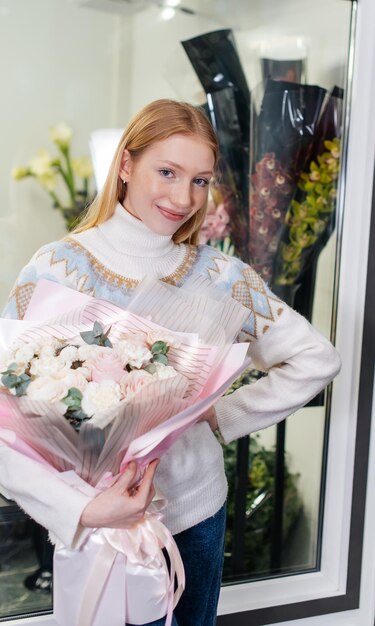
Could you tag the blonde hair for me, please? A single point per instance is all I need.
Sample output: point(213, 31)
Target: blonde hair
point(156, 121)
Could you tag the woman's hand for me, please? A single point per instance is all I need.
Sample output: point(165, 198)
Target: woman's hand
point(210, 417)
point(121, 505)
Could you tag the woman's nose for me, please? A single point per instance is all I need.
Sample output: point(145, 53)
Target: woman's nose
point(181, 196)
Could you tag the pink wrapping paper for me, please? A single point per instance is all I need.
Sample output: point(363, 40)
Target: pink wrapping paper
point(120, 576)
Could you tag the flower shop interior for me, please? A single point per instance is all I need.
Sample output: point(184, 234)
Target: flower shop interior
point(288, 86)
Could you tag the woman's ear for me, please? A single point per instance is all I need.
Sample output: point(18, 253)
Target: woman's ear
point(125, 167)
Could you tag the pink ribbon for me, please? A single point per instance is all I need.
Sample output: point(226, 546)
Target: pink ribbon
point(142, 549)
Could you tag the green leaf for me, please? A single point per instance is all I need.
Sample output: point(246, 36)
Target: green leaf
point(89, 337)
point(160, 358)
point(159, 347)
point(9, 380)
point(73, 399)
point(98, 329)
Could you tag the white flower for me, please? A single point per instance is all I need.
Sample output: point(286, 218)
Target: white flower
point(73, 378)
point(68, 355)
point(133, 353)
point(41, 164)
point(83, 167)
point(25, 353)
point(47, 366)
point(61, 135)
point(48, 180)
point(9, 359)
point(100, 397)
point(47, 389)
point(47, 346)
point(87, 352)
point(164, 371)
point(133, 381)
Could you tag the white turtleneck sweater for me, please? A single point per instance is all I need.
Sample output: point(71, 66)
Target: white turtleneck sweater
point(108, 261)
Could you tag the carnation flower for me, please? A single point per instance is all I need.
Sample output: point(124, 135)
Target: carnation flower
point(133, 353)
point(47, 366)
point(68, 355)
point(100, 397)
point(24, 353)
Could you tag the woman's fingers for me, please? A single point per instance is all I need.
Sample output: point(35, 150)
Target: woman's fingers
point(121, 505)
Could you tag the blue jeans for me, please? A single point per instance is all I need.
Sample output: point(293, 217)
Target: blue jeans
point(202, 551)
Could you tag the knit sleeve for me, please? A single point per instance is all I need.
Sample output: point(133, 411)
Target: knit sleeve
point(298, 360)
point(42, 494)
point(48, 262)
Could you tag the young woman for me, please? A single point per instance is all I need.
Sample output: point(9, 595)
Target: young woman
point(146, 222)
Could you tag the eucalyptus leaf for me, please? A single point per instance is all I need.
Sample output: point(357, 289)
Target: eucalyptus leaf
point(160, 358)
point(9, 380)
point(159, 347)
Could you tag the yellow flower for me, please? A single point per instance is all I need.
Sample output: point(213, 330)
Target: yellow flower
point(48, 180)
point(82, 167)
point(41, 164)
point(61, 135)
point(20, 172)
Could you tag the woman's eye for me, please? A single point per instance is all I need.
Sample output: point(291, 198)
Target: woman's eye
point(166, 172)
point(201, 182)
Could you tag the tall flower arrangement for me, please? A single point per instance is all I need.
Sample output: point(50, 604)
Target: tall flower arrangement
point(73, 195)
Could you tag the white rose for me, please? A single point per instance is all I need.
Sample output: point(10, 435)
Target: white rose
point(133, 353)
point(100, 397)
point(73, 378)
point(47, 366)
point(164, 371)
point(133, 381)
point(47, 389)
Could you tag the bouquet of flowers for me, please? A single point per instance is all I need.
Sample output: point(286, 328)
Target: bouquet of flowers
point(50, 170)
point(97, 386)
point(294, 177)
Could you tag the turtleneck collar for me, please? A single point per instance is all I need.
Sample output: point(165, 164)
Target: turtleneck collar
point(126, 246)
point(127, 234)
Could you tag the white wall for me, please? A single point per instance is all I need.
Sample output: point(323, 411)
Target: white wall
point(58, 63)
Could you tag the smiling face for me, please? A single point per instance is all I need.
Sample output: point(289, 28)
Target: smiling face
point(168, 182)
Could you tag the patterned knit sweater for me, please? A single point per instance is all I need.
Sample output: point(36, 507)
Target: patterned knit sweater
point(108, 262)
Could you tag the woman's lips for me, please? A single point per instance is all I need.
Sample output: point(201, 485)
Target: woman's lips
point(171, 215)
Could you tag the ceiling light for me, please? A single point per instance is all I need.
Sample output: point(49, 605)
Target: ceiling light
point(167, 13)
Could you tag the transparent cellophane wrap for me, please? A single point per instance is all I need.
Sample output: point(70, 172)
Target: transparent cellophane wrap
point(97, 584)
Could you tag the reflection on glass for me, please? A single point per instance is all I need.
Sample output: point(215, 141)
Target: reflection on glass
point(112, 67)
